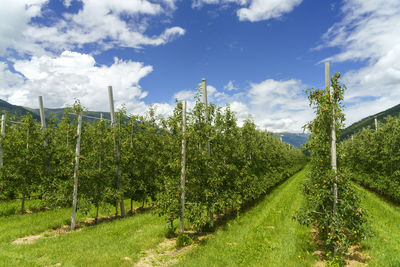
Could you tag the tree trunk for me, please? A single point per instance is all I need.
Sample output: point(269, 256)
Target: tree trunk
point(23, 205)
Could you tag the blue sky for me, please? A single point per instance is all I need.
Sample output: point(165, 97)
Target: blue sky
point(257, 55)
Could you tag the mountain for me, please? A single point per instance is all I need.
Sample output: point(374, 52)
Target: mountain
point(295, 139)
point(16, 111)
point(58, 113)
point(369, 121)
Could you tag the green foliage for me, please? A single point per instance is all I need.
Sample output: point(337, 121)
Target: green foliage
point(341, 225)
point(23, 158)
point(183, 240)
point(372, 158)
point(227, 165)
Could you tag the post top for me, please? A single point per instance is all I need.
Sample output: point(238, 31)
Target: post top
point(204, 79)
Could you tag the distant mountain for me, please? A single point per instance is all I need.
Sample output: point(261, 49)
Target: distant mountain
point(16, 111)
point(369, 121)
point(57, 113)
point(295, 139)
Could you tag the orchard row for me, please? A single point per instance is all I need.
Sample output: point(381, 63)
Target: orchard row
point(372, 158)
point(140, 158)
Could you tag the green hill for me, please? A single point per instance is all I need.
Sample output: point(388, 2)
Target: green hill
point(369, 121)
point(58, 113)
point(16, 111)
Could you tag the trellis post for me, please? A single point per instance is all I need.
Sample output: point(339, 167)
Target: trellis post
point(77, 153)
point(333, 136)
point(183, 168)
point(116, 150)
point(3, 133)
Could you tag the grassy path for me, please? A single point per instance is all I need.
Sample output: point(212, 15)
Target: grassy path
point(384, 245)
point(115, 243)
point(264, 236)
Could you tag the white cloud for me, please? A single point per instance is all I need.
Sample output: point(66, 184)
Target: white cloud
point(230, 86)
point(255, 10)
point(73, 75)
point(368, 32)
point(266, 9)
point(105, 24)
point(185, 95)
point(14, 18)
point(277, 106)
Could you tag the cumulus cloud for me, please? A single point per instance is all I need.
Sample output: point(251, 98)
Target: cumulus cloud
point(274, 105)
point(74, 75)
point(279, 105)
point(14, 18)
point(255, 10)
point(266, 9)
point(104, 24)
point(369, 32)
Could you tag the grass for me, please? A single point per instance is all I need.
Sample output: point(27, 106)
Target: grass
point(265, 235)
point(106, 244)
point(8, 207)
point(384, 245)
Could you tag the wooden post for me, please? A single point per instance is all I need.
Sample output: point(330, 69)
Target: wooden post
point(333, 136)
point(116, 150)
point(42, 117)
point(208, 146)
point(183, 169)
point(376, 124)
point(3, 133)
point(77, 152)
point(204, 88)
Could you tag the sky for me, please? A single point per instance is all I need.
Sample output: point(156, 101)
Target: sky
point(258, 56)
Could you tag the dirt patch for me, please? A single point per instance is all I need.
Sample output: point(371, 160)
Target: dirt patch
point(354, 257)
point(48, 234)
point(27, 239)
point(167, 253)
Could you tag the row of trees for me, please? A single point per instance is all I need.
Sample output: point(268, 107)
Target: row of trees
point(372, 158)
point(332, 206)
point(226, 166)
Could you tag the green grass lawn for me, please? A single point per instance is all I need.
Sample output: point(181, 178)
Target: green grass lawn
point(105, 244)
point(266, 235)
point(384, 245)
point(8, 207)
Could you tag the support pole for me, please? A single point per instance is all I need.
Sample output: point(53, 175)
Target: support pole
point(77, 152)
point(333, 137)
point(376, 124)
point(42, 117)
point(183, 168)
point(3, 134)
point(208, 146)
point(116, 150)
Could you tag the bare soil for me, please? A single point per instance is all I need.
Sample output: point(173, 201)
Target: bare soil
point(167, 253)
point(354, 257)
